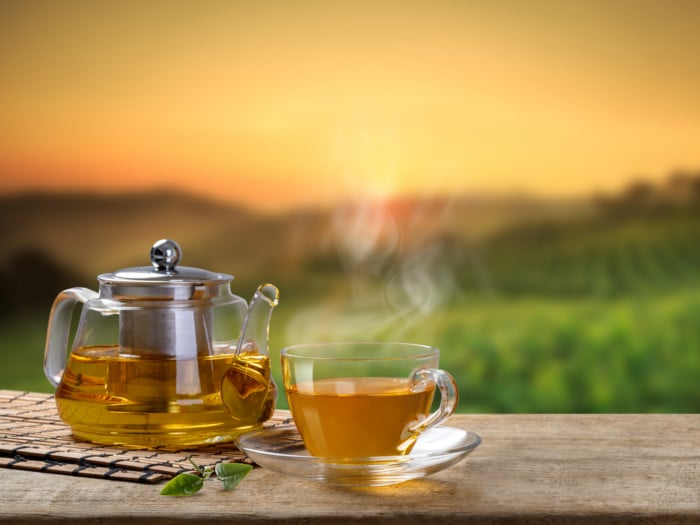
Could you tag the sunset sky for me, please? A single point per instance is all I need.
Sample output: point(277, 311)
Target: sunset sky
point(281, 104)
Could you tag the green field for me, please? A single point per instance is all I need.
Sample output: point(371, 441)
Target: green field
point(552, 355)
point(526, 355)
point(595, 312)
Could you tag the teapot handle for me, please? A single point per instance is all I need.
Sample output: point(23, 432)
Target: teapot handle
point(58, 331)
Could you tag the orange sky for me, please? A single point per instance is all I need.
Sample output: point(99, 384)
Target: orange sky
point(288, 103)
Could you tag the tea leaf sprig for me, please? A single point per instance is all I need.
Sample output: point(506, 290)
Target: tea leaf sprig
point(187, 484)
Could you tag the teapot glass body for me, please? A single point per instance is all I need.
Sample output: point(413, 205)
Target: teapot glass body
point(166, 358)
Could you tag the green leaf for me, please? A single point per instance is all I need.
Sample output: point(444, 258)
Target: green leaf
point(231, 474)
point(183, 485)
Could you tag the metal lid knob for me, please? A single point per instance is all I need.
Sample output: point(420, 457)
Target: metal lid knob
point(165, 254)
point(162, 280)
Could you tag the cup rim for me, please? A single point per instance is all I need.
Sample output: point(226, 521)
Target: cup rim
point(419, 351)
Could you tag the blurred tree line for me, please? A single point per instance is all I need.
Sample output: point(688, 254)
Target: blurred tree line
point(644, 238)
point(30, 281)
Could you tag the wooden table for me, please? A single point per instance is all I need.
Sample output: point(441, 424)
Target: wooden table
point(529, 468)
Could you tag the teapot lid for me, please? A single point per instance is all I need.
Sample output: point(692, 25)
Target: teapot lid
point(163, 280)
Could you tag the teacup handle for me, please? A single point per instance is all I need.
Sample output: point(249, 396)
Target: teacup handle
point(449, 396)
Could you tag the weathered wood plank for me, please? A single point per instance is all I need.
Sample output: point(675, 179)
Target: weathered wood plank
point(529, 468)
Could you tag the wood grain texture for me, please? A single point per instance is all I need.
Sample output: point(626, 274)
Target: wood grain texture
point(529, 469)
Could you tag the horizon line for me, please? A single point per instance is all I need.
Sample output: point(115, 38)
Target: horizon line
point(494, 195)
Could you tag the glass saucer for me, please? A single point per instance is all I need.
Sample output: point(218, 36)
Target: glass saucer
point(281, 449)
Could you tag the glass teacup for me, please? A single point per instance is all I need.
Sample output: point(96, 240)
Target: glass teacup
point(358, 400)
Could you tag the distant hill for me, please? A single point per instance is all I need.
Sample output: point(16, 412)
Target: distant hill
point(94, 233)
point(644, 240)
point(498, 244)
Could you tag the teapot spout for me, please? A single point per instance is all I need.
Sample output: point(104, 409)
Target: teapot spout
point(248, 391)
point(255, 334)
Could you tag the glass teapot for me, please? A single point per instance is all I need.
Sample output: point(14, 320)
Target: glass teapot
point(163, 356)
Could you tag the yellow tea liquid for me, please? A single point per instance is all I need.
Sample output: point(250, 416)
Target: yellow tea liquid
point(156, 402)
point(248, 392)
point(358, 416)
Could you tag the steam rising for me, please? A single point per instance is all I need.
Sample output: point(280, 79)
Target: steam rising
point(391, 250)
point(396, 274)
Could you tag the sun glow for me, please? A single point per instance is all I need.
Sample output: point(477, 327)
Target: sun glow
point(314, 102)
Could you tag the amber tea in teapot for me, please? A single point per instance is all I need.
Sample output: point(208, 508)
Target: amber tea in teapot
point(102, 392)
point(175, 374)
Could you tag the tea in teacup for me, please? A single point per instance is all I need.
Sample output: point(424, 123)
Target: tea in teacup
point(358, 400)
point(359, 416)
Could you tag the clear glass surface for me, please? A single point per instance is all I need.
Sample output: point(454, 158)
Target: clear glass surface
point(281, 449)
